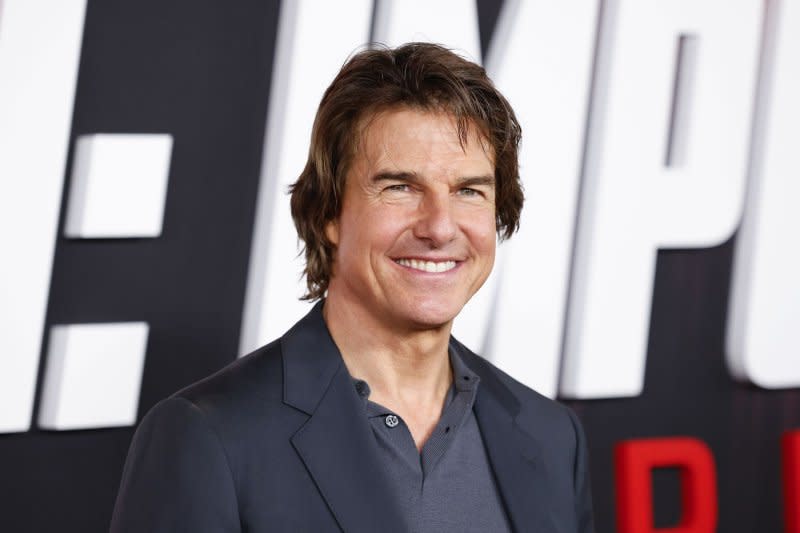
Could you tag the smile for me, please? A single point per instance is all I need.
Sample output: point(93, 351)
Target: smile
point(427, 266)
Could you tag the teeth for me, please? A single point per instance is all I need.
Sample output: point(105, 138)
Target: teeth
point(428, 266)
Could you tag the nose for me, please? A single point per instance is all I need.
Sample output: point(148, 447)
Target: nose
point(436, 222)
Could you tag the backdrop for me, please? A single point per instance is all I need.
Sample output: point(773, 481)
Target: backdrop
point(642, 309)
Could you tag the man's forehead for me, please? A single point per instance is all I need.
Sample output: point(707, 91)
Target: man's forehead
point(381, 131)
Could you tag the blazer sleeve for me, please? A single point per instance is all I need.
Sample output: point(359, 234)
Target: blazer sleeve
point(583, 494)
point(176, 477)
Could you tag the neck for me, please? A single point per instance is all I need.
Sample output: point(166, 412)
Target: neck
point(406, 368)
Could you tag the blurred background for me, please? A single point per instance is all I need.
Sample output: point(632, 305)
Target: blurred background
point(145, 152)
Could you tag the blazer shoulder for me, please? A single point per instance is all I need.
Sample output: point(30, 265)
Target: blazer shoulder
point(243, 405)
point(255, 379)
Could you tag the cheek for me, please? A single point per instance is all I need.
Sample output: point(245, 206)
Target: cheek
point(372, 232)
point(482, 232)
point(387, 222)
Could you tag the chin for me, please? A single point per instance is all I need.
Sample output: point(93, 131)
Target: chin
point(424, 316)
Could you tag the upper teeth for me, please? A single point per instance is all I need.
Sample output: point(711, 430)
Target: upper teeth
point(428, 266)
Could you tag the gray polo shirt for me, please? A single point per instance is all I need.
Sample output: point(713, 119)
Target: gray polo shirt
point(449, 485)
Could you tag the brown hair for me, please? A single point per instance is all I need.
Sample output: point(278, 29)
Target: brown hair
point(418, 76)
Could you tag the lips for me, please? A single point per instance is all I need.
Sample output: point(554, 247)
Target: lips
point(427, 266)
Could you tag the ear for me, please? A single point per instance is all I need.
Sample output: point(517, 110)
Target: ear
point(332, 231)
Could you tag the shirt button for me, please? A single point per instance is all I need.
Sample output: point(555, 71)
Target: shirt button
point(392, 421)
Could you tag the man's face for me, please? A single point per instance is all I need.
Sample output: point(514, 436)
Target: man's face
point(416, 235)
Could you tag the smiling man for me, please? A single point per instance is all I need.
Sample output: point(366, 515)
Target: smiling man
point(367, 415)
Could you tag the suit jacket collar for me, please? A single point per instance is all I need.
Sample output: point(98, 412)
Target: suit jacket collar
point(310, 361)
point(336, 443)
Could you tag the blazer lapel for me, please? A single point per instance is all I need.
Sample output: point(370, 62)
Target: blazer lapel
point(336, 443)
point(513, 453)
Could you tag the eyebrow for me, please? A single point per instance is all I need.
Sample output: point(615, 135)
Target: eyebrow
point(413, 177)
point(473, 181)
point(410, 177)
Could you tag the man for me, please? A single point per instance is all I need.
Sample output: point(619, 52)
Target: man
point(367, 415)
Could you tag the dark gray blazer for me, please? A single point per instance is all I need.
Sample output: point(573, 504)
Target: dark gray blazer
point(278, 441)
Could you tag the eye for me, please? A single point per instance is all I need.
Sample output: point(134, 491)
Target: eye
point(398, 187)
point(469, 191)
